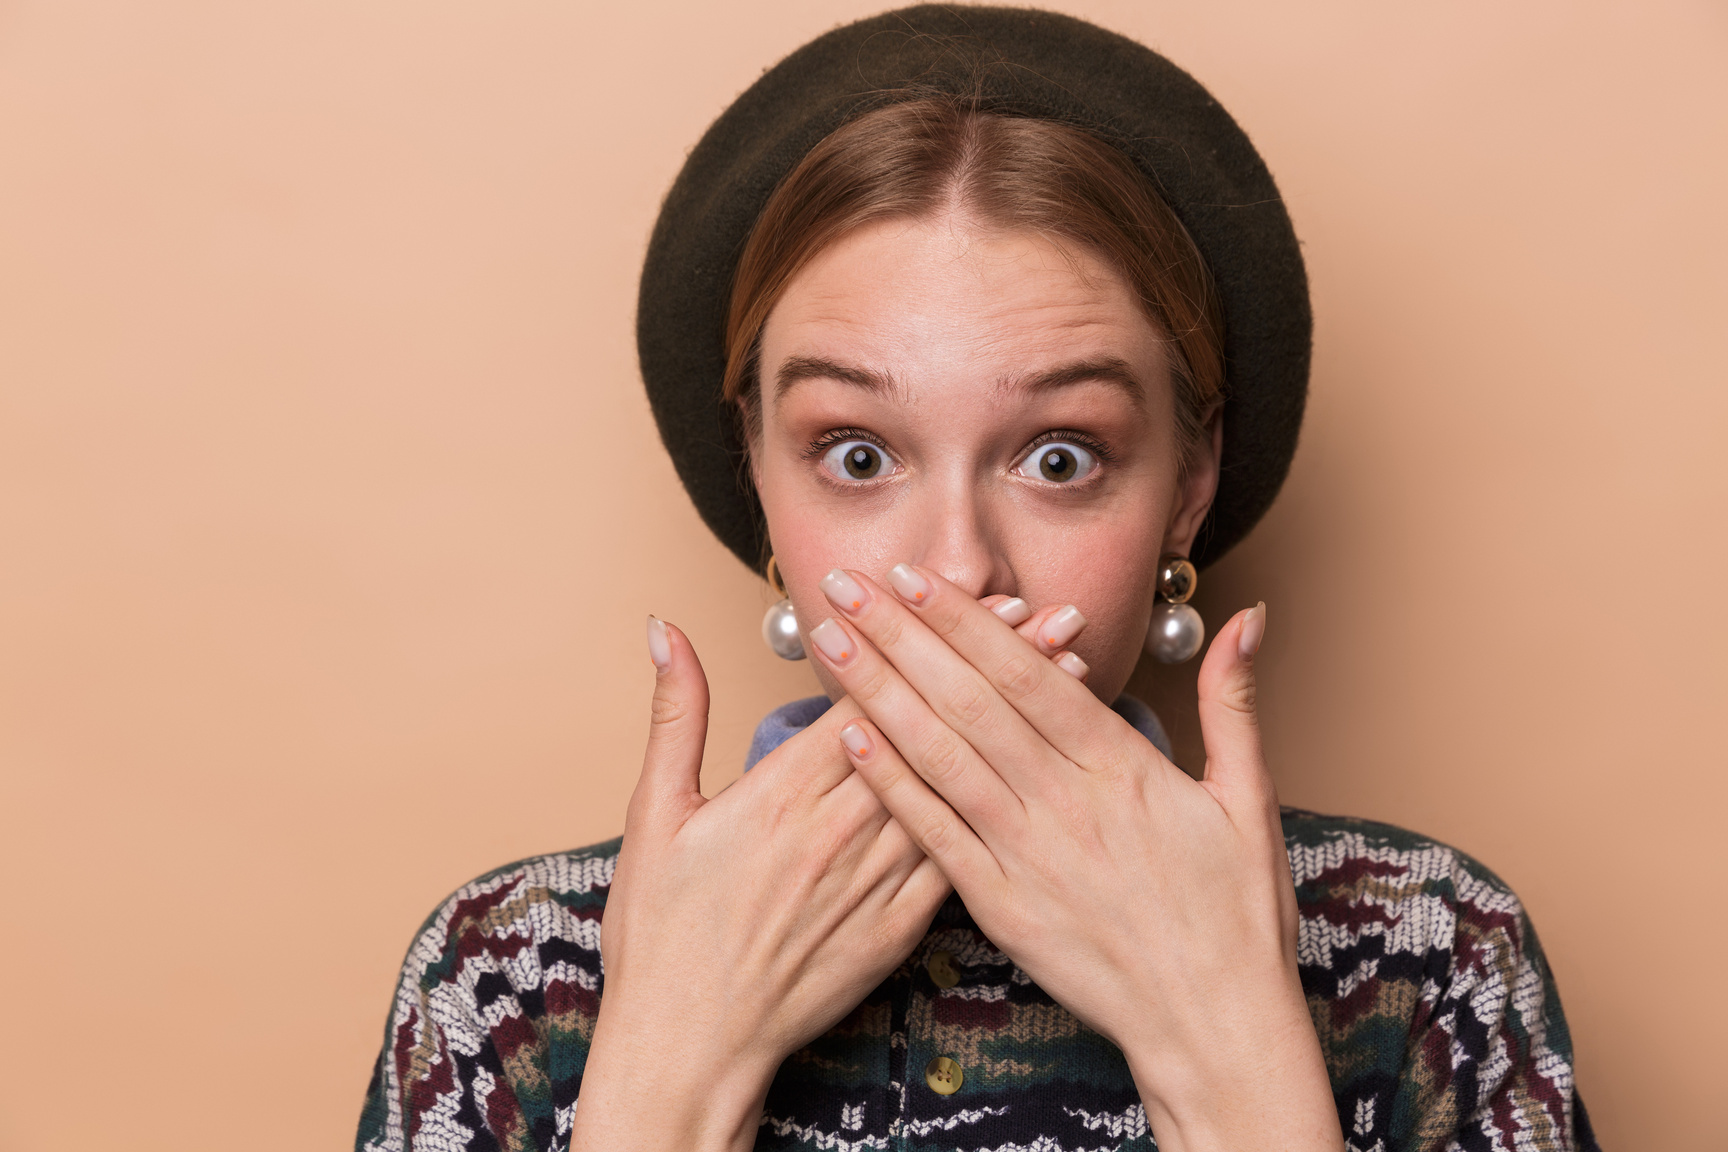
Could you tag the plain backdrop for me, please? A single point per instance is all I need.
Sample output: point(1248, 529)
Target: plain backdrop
point(330, 505)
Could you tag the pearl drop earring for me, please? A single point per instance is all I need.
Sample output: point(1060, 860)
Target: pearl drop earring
point(780, 623)
point(1176, 631)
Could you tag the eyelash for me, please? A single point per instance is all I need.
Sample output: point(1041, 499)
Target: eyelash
point(1096, 447)
point(841, 435)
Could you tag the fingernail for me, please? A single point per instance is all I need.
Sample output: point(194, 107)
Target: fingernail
point(1061, 628)
point(909, 585)
point(1015, 611)
point(1072, 665)
point(857, 741)
point(844, 592)
point(1253, 629)
point(659, 644)
point(833, 640)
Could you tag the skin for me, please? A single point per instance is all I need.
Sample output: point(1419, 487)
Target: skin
point(962, 750)
point(957, 323)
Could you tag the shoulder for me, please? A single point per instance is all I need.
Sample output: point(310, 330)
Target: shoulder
point(495, 1003)
point(1366, 887)
point(520, 912)
point(1356, 872)
point(1435, 1007)
point(1329, 852)
point(577, 879)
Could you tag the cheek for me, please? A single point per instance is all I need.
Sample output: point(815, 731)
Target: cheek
point(812, 536)
point(809, 538)
point(1107, 573)
point(1107, 567)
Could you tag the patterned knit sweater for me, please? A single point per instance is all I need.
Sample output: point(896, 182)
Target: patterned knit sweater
point(1437, 1014)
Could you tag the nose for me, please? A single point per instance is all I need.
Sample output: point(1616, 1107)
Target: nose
point(961, 539)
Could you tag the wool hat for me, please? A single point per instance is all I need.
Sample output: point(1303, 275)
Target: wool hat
point(1013, 61)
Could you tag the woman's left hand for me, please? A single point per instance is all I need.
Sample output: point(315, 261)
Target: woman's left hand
point(1158, 909)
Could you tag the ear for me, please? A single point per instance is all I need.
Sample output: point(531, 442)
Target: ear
point(1199, 485)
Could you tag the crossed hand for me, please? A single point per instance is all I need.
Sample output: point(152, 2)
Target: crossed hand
point(966, 752)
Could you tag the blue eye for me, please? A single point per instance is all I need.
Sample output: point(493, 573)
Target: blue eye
point(857, 460)
point(1057, 462)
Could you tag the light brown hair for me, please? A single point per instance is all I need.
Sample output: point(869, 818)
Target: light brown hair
point(925, 155)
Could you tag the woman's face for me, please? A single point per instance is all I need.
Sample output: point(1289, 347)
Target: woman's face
point(991, 405)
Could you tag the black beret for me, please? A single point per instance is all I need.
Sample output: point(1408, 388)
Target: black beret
point(1013, 61)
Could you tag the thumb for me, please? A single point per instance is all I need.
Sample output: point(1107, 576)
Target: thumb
point(670, 786)
point(1229, 716)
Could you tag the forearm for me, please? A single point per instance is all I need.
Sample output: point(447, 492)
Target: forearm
point(1256, 1081)
point(649, 1089)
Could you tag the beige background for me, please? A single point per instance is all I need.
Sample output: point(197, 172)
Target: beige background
point(330, 505)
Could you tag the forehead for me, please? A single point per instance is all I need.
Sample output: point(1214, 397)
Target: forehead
point(922, 300)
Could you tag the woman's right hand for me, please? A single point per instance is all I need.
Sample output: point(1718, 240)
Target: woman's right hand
point(740, 928)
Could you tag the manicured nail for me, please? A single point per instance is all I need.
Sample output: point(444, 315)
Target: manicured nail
point(834, 641)
point(1016, 611)
point(1072, 665)
point(1253, 630)
point(857, 741)
point(910, 586)
point(844, 592)
point(659, 644)
point(1062, 627)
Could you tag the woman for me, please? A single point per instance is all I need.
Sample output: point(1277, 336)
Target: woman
point(1002, 322)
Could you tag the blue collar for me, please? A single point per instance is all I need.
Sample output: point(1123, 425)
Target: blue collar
point(788, 720)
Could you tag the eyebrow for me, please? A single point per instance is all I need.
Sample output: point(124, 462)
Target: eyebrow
point(800, 368)
point(1107, 369)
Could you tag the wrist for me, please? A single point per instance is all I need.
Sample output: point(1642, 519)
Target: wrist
point(647, 1088)
point(1252, 1076)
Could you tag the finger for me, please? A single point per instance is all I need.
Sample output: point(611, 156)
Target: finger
point(921, 893)
point(1045, 698)
point(1035, 633)
point(1029, 631)
point(1018, 614)
point(935, 750)
point(670, 787)
point(1229, 711)
point(919, 811)
point(807, 763)
point(901, 882)
point(895, 858)
point(850, 809)
point(904, 901)
point(961, 695)
point(1073, 665)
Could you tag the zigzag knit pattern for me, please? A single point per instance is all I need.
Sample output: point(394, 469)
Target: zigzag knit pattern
point(1435, 1008)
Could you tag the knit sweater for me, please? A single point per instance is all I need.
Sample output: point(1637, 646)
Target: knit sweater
point(1436, 1011)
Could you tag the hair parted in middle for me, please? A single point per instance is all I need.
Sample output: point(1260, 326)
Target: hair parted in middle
point(937, 153)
